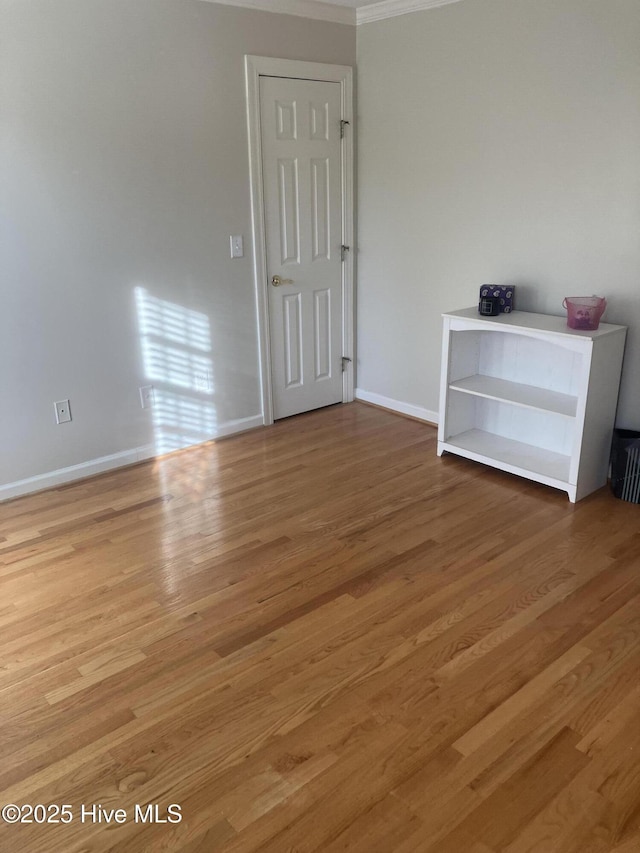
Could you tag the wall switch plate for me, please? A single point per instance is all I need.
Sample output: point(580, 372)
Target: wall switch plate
point(147, 397)
point(237, 246)
point(63, 411)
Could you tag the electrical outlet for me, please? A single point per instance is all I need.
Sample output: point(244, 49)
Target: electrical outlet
point(147, 397)
point(63, 411)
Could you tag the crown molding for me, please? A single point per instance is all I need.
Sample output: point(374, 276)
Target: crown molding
point(314, 9)
point(393, 8)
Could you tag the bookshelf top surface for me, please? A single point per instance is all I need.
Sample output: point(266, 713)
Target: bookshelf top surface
point(538, 322)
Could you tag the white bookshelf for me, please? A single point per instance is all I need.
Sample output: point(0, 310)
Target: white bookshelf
point(524, 393)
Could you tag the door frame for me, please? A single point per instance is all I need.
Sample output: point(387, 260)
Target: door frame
point(262, 66)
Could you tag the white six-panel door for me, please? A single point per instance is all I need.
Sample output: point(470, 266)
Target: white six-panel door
point(302, 186)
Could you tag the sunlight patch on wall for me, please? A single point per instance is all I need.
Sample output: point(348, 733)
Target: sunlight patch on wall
point(175, 344)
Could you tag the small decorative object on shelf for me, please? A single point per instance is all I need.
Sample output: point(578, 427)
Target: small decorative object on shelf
point(489, 306)
point(504, 293)
point(584, 312)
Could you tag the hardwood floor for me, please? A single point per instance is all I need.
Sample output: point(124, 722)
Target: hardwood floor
point(321, 637)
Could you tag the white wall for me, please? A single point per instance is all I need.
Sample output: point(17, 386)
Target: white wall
point(124, 165)
point(499, 141)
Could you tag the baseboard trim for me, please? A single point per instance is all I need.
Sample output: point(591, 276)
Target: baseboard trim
point(398, 406)
point(239, 425)
point(108, 463)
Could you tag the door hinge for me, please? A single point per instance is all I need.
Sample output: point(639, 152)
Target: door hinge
point(343, 251)
point(343, 123)
point(345, 362)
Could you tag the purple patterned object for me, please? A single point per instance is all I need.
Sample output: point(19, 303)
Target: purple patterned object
point(505, 292)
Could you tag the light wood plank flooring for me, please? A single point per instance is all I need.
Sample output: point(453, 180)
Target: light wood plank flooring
point(321, 637)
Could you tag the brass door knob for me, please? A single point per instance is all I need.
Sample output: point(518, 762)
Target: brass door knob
point(276, 281)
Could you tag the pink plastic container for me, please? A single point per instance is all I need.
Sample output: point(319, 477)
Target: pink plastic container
point(584, 312)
